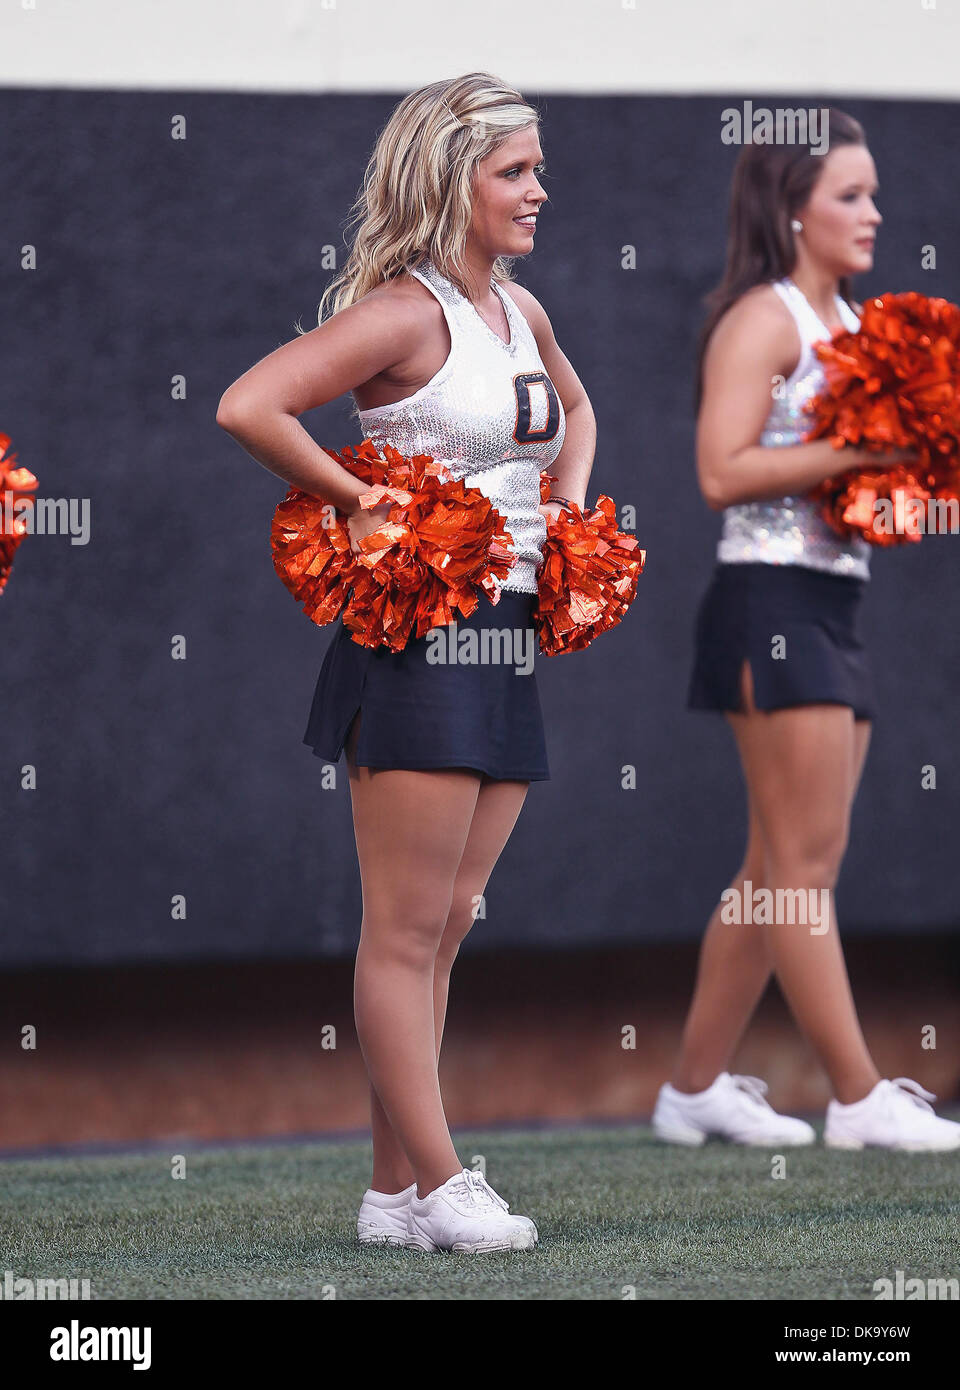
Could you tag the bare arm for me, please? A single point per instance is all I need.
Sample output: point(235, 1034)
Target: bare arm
point(260, 409)
point(753, 343)
point(573, 464)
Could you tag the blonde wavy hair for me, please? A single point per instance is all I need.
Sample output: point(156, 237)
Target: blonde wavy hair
point(417, 193)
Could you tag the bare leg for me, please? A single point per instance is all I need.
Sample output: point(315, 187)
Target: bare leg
point(411, 828)
point(801, 766)
point(732, 973)
point(735, 963)
point(493, 814)
point(498, 806)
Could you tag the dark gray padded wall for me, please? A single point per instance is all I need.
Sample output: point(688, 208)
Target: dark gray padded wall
point(159, 258)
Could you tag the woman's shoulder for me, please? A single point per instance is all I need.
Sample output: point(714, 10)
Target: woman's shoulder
point(763, 301)
point(759, 314)
point(404, 301)
point(402, 288)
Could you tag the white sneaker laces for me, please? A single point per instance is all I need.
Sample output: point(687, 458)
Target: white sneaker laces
point(478, 1192)
point(912, 1091)
point(754, 1087)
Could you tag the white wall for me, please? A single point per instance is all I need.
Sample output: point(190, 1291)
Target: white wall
point(847, 47)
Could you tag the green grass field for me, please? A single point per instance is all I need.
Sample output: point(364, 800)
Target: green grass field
point(614, 1209)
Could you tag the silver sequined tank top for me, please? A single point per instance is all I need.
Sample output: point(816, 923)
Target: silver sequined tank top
point(791, 530)
point(491, 414)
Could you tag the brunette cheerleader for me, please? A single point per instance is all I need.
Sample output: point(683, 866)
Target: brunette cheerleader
point(779, 650)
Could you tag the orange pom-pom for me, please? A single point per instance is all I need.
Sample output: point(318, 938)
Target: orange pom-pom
point(16, 484)
point(442, 542)
point(852, 507)
point(894, 383)
point(588, 578)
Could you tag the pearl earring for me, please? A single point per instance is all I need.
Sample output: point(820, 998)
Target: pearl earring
point(796, 226)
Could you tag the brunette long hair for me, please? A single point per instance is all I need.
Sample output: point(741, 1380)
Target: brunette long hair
point(771, 183)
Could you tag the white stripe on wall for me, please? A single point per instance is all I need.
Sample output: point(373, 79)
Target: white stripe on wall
point(891, 48)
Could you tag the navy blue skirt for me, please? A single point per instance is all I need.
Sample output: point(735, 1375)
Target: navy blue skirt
point(461, 696)
point(820, 660)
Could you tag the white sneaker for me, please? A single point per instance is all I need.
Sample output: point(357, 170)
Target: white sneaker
point(382, 1219)
point(895, 1115)
point(466, 1215)
point(733, 1108)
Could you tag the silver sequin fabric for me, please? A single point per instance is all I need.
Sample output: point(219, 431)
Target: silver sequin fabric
point(491, 414)
point(791, 530)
